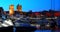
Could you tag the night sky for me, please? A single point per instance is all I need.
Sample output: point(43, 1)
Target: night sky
point(34, 5)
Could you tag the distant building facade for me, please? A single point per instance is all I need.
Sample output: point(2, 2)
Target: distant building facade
point(19, 9)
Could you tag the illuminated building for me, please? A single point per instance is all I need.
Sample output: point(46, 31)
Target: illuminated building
point(11, 10)
point(19, 9)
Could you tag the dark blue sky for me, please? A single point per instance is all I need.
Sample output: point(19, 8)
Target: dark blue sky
point(35, 5)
